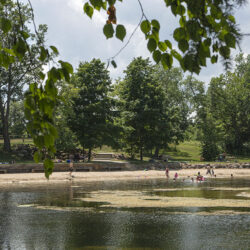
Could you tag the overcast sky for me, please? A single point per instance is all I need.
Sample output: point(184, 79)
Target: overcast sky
point(78, 38)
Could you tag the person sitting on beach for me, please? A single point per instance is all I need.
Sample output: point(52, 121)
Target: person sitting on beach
point(199, 177)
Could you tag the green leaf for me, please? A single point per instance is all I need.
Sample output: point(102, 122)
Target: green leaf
point(152, 44)
point(193, 29)
point(43, 53)
point(182, 21)
point(54, 74)
point(231, 18)
point(183, 45)
point(120, 32)
point(9, 51)
point(54, 50)
point(174, 9)
point(114, 64)
point(176, 55)
point(169, 44)
point(108, 30)
point(179, 34)
point(88, 10)
point(104, 5)
point(166, 60)
point(98, 4)
point(207, 42)
point(111, 2)
point(37, 156)
point(224, 51)
point(180, 10)
point(20, 48)
point(162, 46)
point(48, 167)
point(155, 34)
point(145, 26)
point(157, 56)
point(39, 141)
point(25, 35)
point(41, 75)
point(155, 24)
point(214, 59)
point(5, 24)
point(48, 140)
point(230, 40)
point(67, 66)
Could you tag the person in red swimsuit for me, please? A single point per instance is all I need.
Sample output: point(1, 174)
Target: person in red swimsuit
point(167, 172)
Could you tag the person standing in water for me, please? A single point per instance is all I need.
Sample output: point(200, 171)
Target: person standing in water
point(167, 173)
point(71, 168)
point(175, 176)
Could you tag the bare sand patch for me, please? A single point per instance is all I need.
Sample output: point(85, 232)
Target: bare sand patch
point(244, 194)
point(142, 199)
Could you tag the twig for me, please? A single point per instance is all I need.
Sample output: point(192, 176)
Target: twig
point(33, 20)
point(142, 16)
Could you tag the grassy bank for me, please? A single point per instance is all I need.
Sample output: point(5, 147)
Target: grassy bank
point(188, 151)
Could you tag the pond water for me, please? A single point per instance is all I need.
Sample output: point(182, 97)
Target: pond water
point(141, 214)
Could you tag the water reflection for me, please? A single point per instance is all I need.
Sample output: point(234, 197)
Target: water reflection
point(121, 227)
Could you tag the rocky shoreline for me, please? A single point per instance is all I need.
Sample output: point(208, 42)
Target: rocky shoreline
point(216, 165)
point(108, 166)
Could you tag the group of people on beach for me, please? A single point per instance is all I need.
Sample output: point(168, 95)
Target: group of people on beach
point(199, 177)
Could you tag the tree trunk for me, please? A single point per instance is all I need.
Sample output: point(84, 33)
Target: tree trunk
point(89, 154)
point(6, 136)
point(156, 154)
point(141, 156)
point(5, 109)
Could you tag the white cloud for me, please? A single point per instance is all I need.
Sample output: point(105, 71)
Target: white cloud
point(80, 38)
point(76, 5)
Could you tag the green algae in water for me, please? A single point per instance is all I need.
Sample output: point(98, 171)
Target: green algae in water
point(201, 193)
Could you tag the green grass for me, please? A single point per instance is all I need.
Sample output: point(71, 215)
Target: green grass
point(186, 151)
point(19, 141)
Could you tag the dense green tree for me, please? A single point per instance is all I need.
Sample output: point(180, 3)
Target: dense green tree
point(19, 72)
point(174, 119)
point(93, 108)
point(229, 97)
point(66, 140)
point(147, 115)
point(209, 129)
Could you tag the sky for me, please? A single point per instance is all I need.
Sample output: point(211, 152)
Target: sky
point(79, 38)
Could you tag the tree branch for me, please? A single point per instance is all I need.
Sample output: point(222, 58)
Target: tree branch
point(142, 16)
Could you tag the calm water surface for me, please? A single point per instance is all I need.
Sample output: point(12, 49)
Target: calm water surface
point(64, 216)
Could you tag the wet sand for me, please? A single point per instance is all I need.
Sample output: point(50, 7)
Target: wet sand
point(60, 177)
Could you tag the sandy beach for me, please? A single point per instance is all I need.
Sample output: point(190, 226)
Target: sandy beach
point(59, 177)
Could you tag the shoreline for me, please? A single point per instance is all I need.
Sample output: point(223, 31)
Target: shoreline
point(63, 177)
